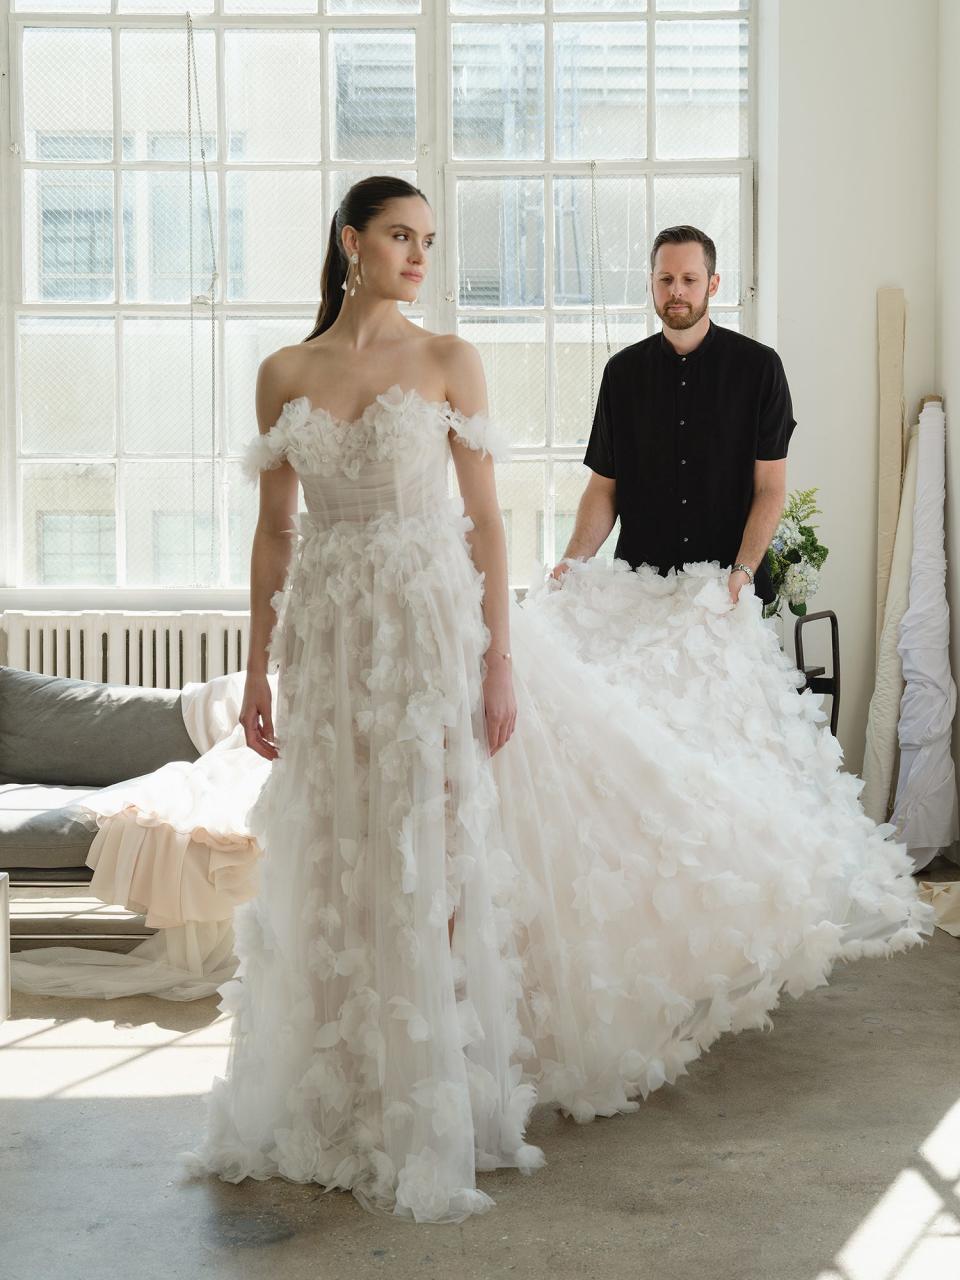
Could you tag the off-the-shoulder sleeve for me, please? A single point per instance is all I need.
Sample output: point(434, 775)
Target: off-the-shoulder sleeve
point(479, 432)
point(262, 454)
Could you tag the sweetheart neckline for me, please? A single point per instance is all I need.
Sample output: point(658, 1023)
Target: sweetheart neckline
point(313, 409)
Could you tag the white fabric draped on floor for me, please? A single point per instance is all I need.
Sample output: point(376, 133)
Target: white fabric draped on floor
point(181, 855)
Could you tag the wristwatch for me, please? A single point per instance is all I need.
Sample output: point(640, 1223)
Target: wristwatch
point(744, 568)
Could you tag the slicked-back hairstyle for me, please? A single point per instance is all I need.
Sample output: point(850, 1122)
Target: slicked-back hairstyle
point(687, 235)
point(363, 201)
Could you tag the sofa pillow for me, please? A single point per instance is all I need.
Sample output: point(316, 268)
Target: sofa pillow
point(54, 729)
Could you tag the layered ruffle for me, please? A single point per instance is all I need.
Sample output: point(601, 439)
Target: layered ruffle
point(317, 443)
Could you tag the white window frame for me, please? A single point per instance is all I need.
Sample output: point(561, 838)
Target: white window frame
point(437, 171)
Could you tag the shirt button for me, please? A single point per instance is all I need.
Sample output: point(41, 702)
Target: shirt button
point(681, 422)
point(683, 462)
point(683, 500)
point(683, 384)
point(683, 358)
point(686, 539)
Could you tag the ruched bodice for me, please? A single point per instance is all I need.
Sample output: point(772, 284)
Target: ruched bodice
point(391, 461)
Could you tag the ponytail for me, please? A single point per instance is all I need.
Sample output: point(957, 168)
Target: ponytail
point(362, 202)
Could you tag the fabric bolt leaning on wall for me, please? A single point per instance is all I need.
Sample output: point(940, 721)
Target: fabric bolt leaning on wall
point(880, 752)
point(925, 810)
point(891, 336)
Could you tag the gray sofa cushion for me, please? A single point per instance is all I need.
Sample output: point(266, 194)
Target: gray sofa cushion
point(37, 831)
point(67, 732)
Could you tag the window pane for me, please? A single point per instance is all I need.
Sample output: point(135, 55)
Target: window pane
point(574, 405)
point(162, 6)
point(62, 6)
point(701, 89)
point(496, 6)
point(702, 6)
point(513, 354)
point(500, 241)
point(156, 386)
point(68, 524)
point(269, 6)
point(276, 236)
point(68, 236)
point(272, 88)
point(599, 6)
point(374, 99)
point(373, 6)
point(156, 246)
point(569, 481)
point(247, 340)
point(497, 91)
point(153, 104)
point(601, 94)
point(67, 98)
point(622, 265)
point(171, 515)
point(521, 490)
point(712, 203)
point(66, 384)
point(726, 319)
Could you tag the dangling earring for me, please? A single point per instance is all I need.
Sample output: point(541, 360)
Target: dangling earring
point(355, 261)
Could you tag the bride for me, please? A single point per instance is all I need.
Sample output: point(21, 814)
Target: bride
point(510, 854)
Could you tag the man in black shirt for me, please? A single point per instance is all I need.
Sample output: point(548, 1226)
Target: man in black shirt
point(690, 434)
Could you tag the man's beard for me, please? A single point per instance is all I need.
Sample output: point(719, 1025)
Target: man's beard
point(683, 319)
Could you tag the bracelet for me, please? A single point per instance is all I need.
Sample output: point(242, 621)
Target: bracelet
point(744, 568)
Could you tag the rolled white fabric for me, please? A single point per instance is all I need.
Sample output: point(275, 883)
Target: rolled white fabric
point(880, 753)
point(925, 809)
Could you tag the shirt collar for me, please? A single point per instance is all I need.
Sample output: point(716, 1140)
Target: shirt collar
point(667, 350)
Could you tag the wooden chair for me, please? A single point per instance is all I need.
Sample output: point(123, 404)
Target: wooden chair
point(816, 679)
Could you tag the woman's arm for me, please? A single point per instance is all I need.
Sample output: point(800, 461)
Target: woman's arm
point(269, 558)
point(466, 390)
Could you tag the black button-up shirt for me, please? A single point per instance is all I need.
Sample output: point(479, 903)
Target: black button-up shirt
point(680, 435)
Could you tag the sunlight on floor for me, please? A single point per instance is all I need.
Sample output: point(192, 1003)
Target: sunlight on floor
point(913, 1232)
point(47, 1058)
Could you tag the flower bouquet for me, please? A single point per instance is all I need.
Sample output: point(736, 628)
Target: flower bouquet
point(795, 555)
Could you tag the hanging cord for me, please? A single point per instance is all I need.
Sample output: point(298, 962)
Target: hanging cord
point(596, 277)
point(207, 299)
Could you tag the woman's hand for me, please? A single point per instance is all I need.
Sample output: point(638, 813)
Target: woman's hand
point(499, 702)
point(256, 717)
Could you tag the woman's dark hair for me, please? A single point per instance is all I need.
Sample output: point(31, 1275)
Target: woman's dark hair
point(687, 235)
point(363, 201)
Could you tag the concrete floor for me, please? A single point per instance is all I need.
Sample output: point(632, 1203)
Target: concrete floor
point(827, 1149)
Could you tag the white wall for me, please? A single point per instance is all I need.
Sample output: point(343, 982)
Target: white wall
point(948, 305)
point(848, 150)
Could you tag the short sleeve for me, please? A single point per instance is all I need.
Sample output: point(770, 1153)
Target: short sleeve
point(479, 432)
point(262, 454)
point(776, 420)
point(599, 456)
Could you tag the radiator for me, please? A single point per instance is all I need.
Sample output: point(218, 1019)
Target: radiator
point(162, 650)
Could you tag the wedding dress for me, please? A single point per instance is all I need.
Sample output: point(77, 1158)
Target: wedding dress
point(663, 846)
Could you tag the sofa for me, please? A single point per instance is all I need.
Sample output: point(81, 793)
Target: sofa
point(61, 740)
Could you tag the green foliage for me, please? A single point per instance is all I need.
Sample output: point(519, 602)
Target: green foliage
point(795, 542)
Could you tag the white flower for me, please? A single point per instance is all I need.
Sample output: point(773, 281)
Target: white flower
point(787, 536)
point(420, 1186)
point(800, 582)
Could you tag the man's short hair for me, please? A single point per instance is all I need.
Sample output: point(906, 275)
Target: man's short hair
point(687, 235)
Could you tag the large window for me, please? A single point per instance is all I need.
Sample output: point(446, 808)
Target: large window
point(553, 141)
